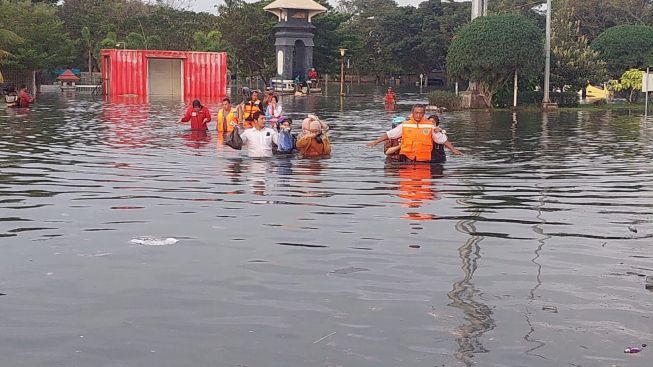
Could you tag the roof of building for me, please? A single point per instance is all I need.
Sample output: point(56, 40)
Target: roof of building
point(68, 76)
point(295, 4)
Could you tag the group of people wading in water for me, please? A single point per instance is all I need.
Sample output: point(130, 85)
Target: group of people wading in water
point(262, 127)
point(20, 98)
point(264, 130)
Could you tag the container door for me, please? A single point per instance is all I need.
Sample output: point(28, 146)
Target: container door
point(164, 78)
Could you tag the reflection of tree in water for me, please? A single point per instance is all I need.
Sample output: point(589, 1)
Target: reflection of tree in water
point(478, 315)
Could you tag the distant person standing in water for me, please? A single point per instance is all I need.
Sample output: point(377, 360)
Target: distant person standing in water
point(313, 77)
point(11, 96)
point(389, 100)
point(198, 116)
point(24, 97)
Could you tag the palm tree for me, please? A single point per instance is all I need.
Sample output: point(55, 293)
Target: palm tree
point(7, 38)
point(211, 41)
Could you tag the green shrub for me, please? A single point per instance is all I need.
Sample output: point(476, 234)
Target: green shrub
point(448, 100)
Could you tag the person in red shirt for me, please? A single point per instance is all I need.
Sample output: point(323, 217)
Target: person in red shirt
point(24, 97)
point(312, 76)
point(198, 116)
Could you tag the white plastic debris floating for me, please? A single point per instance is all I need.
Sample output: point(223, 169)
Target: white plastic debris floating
point(154, 241)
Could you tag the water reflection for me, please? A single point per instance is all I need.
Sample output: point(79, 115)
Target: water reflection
point(416, 187)
point(464, 294)
point(196, 138)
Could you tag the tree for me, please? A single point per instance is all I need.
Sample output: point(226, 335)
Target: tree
point(574, 64)
point(489, 51)
point(88, 44)
point(138, 41)
point(630, 82)
point(328, 39)
point(174, 27)
point(248, 31)
point(211, 41)
point(625, 47)
point(46, 44)
point(7, 39)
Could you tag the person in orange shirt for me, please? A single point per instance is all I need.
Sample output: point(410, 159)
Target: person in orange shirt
point(227, 117)
point(313, 141)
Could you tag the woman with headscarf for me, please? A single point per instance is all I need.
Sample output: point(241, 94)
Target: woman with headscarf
point(313, 141)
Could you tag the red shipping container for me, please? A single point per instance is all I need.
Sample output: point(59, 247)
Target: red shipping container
point(186, 74)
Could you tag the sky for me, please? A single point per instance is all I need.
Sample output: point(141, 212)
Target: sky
point(208, 5)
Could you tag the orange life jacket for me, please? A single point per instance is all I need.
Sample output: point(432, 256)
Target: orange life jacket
point(417, 140)
point(232, 120)
point(251, 107)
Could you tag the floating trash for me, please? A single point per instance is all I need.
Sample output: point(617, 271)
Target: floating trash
point(154, 241)
point(553, 309)
point(348, 270)
point(633, 350)
point(649, 282)
point(414, 246)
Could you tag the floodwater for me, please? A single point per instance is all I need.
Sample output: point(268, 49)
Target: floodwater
point(528, 251)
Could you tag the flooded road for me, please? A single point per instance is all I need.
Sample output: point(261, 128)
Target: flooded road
point(528, 251)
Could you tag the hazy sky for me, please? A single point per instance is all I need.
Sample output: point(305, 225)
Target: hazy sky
point(208, 5)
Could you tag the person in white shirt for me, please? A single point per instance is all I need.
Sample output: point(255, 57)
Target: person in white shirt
point(259, 138)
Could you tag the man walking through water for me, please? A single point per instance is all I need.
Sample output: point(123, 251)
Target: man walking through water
point(259, 138)
point(417, 137)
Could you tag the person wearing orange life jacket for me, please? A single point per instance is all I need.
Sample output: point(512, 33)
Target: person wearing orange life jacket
point(227, 117)
point(248, 108)
point(417, 137)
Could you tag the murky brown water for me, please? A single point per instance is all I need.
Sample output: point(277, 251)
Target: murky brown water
point(528, 251)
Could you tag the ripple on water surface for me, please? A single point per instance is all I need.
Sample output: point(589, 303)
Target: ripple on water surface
point(342, 261)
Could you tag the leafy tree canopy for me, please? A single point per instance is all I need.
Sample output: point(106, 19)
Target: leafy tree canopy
point(490, 49)
point(625, 47)
point(45, 42)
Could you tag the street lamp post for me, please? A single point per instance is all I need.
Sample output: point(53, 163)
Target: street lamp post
point(342, 71)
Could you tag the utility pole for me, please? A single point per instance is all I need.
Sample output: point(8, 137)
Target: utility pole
point(342, 71)
point(479, 8)
point(546, 102)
